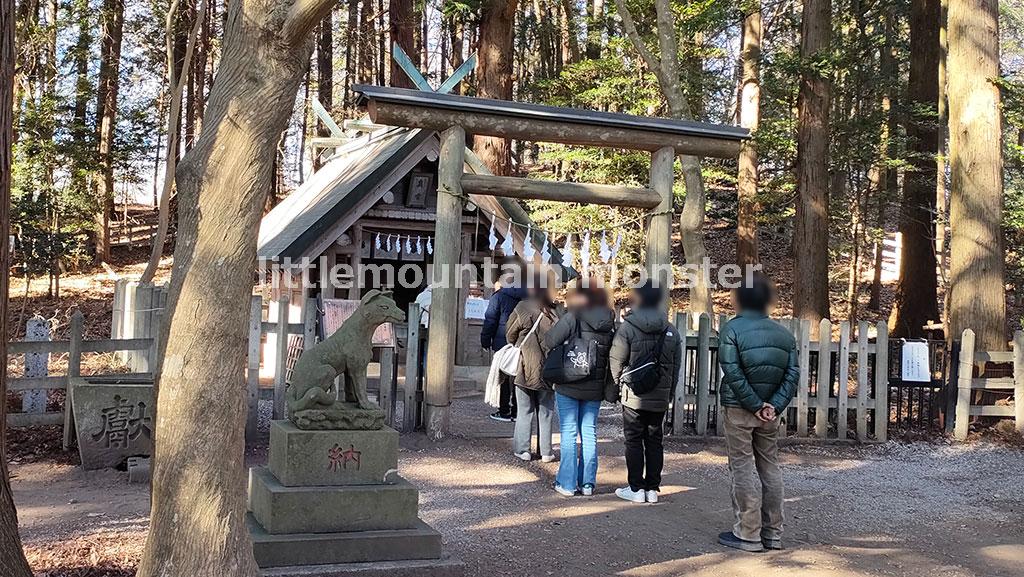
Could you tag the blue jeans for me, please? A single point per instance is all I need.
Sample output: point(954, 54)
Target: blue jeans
point(577, 419)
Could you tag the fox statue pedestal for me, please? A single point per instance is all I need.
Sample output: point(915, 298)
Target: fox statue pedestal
point(331, 502)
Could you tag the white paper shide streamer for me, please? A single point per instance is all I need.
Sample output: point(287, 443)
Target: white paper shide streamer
point(545, 250)
point(605, 251)
point(528, 250)
point(585, 253)
point(567, 252)
point(492, 237)
point(506, 245)
point(430, 245)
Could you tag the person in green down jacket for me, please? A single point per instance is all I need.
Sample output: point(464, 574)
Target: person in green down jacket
point(759, 376)
point(635, 345)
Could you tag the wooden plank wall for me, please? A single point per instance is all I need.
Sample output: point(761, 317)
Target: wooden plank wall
point(828, 404)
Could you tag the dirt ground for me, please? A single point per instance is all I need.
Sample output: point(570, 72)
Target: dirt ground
point(895, 509)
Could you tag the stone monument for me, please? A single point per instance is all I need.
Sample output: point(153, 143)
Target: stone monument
point(330, 501)
point(113, 421)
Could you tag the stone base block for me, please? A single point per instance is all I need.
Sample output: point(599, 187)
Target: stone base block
point(114, 422)
point(303, 458)
point(444, 567)
point(295, 549)
point(326, 509)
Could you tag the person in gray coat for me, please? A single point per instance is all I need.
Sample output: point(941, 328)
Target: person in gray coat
point(528, 324)
point(636, 345)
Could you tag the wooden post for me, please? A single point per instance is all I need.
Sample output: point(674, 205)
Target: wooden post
point(253, 376)
point(357, 262)
point(117, 316)
point(154, 346)
point(445, 294)
point(386, 389)
point(703, 372)
point(963, 385)
point(862, 381)
point(803, 383)
point(824, 378)
point(37, 365)
point(723, 322)
point(679, 399)
point(659, 231)
point(843, 391)
point(1018, 380)
point(74, 371)
point(882, 382)
point(410, 406)
point(280, 356)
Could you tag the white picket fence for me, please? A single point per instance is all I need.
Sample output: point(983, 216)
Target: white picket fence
point(971, 389)
point(842, 392)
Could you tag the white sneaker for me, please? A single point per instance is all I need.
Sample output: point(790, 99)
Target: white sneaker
point(652, 496)
point(563, 491)
point(629, 494)
point(548, 459)
point(588, 490)
point(525, 456)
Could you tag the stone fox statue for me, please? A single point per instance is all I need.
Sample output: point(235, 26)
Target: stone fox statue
point(348, 351)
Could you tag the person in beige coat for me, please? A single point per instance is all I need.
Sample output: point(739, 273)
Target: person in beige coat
point(527, 326)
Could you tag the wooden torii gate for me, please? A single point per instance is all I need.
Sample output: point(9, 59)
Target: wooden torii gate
point(453, 116)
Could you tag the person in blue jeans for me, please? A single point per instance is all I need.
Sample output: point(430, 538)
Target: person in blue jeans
point(578, 403)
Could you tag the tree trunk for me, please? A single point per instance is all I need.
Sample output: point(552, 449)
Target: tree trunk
point(366, 42)
point(12, 556)
point(595, 28)
point(403, 25)
point(750, 116)
point(916, 292)
point(80, 129)
point(941, 205)
point(351, 51)
point(494, 76)
point(112, 27)
point(197, 524)
point(976, 266)
point(570, 40)
point(810, 231)
point(666, 68)
point(325, 77)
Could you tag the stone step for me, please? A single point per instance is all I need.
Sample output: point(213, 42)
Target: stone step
point(331, 509)
point(444, 567)
point(303, 458)
point(295, 549)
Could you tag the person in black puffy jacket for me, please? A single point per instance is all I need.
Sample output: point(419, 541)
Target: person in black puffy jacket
point(643, 414)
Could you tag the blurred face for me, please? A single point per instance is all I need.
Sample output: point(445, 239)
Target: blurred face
point(576, 300)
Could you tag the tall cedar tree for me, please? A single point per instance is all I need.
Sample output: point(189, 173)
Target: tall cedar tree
point(917, 293)
point(977, 297)
point(12, 556)
point(402, 25)
point(810, 231)
point(197, 521)
point(111, 32)
point(494, 76)
point(750, 116)
point(324, 75)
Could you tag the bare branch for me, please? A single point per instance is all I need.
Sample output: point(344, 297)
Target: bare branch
point(177, 87)
point(302, 17)
point(638, 42)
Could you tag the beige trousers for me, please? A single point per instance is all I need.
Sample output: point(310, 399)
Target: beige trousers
point(757, 491)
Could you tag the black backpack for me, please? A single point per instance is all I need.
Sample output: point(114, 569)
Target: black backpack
point(643, 375)
point(572, 361)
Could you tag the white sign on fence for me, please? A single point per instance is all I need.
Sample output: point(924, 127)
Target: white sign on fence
point(915, 366)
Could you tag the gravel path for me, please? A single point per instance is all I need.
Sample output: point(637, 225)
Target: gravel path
point(895, 509)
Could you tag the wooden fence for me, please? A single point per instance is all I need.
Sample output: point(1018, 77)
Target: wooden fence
point(74, 347)
point(971, 400)
point(842, 390)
